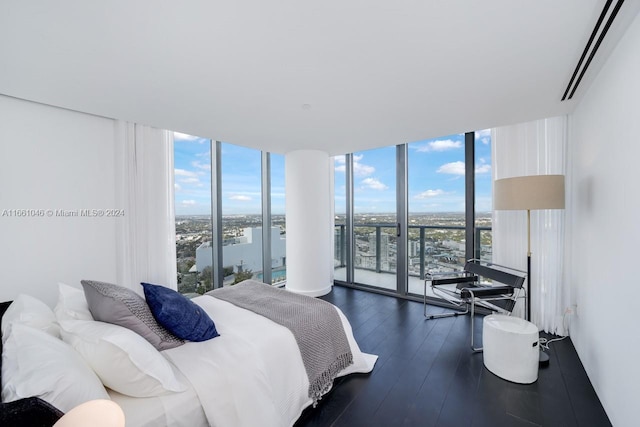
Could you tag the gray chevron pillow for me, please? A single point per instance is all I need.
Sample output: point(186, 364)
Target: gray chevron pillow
point(122, 306)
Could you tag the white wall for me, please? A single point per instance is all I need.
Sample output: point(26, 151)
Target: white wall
point(52, 158)
point(604, 154)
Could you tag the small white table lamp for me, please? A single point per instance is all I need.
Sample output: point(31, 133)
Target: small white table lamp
point(94, 413)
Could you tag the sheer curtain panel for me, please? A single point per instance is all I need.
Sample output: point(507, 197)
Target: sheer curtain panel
point(146, 236)
point(534, 148)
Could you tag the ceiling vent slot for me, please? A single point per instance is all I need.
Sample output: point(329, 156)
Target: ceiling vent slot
point(591, 49)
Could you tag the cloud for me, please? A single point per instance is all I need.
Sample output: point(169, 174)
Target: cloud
point(187, 177)
point(440, 145)
point(359, 169)
point(240, 198)
point(483, 136)
point(453, 168)
point(185, 173)
point(458, 168)
point(188, 202)
point(340, 163)
point(483, 168)
point(177, 187)
point(195, 181)
point(429, 193)
point(202, 166)
point(362, 170)
point(374, 184)
point(178, 136)
point(482, 133)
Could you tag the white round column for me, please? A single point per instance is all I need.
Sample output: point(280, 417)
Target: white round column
point(308, 210)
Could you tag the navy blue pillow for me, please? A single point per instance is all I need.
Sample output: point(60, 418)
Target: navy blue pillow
point(178, 314)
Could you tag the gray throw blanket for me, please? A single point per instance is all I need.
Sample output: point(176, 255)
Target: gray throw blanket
point(315, 324)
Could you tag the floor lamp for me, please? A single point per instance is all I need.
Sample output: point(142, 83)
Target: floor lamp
point(529, 193)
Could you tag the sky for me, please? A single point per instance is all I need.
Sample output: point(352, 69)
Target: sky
point(435, 177)
point(241, 172)
point(435, 171)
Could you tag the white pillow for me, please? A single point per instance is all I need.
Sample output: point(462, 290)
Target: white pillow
point(124, 361)
point(29, 311)
point(72, 304)
point(36, 364)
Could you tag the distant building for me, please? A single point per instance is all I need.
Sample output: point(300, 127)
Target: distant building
point(339, 239)
point(245, 252)
point(414, 248)
point(386, 251)
point(384, 245)
point(451, 244)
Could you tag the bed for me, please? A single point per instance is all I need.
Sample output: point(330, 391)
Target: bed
point(253, 372)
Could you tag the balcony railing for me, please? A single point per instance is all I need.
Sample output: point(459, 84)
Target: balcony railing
point(431, 247)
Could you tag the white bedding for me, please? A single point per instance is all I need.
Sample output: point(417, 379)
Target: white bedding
point(253, 373)
point(169, 410)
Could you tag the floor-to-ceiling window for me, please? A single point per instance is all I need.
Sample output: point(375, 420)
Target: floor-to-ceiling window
point(241, 212)
point(219, 201)
point(220, 207)
point(340, 218)
point(278, 221)
point(444, 184)
point(374, 217)
point(192, 188)
point(436, 200)
point(484, 204)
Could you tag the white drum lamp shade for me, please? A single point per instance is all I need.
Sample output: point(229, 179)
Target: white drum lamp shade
point(529, 192)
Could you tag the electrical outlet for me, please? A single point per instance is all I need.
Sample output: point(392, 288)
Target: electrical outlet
point(573, 309)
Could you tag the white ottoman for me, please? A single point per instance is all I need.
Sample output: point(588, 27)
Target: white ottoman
point(511, 348)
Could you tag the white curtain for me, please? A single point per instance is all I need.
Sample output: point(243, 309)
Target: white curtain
point(534, 148)
point(145, 189)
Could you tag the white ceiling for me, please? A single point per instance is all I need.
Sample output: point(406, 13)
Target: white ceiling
point(338, 76)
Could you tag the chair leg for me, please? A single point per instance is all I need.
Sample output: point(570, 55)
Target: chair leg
point(473, 316)
point(441, 315)
point(438, 316)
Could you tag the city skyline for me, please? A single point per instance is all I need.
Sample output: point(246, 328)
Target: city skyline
point(436, 177)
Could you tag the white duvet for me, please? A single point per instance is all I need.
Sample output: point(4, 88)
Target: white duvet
point(252, 374)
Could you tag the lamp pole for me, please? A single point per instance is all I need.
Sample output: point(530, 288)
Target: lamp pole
point(528, 310)
point(544, 357)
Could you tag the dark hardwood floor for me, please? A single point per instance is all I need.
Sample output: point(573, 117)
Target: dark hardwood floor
point(426, 375)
